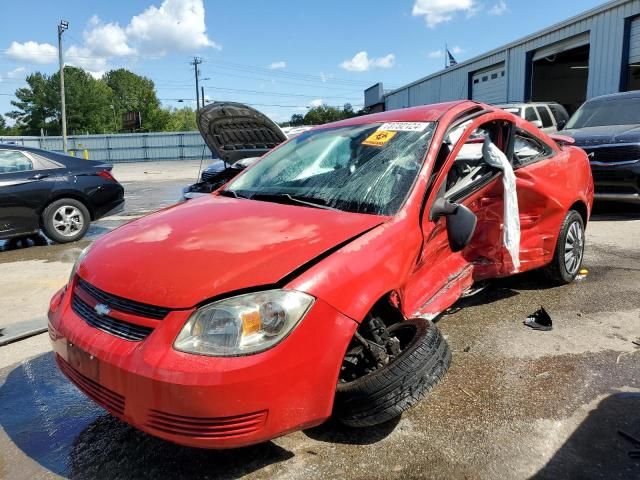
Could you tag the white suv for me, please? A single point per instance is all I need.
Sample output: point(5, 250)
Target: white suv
point(547, 116)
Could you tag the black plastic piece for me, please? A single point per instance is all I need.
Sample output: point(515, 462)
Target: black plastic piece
point(539, 320)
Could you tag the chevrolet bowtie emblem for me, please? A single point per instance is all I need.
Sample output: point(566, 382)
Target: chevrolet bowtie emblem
point(102, 309)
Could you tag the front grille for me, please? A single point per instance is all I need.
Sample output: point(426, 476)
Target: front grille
point(203, 427)
point(208, 176)
point(116, 327)
point(99, 394)
point(613, 153)
point(123, 304)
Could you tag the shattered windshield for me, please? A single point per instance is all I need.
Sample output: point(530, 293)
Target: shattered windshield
point(362, 168)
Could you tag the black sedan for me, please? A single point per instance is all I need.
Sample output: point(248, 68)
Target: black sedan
point(608, 129)
point(56, 193)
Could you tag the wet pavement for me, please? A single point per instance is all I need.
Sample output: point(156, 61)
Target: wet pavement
point(516, 403)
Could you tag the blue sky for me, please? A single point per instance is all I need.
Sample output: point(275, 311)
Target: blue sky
point(281, 56)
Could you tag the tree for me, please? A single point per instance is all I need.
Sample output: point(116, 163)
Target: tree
point(35, 106)
point(323, 114)
point(135, 93)
point(88, 103)
point(181, 120)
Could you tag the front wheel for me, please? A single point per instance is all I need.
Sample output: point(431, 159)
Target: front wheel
point(384, 393)
point(569, 253)
point(65, 220)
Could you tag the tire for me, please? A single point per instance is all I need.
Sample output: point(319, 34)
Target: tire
point(65, 220)
point(385, 393)
point(559, 271)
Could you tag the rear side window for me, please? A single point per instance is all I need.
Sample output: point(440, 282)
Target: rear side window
point(530, 114)
point(527, 149)
point(545, 117)
point(12, 162)
point(559, 113)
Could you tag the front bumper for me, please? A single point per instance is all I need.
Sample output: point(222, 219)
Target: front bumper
point(619, 181)
point(200, 401)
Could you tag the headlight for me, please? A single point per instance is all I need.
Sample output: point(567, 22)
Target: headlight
point(81, 257)
point(244, 324)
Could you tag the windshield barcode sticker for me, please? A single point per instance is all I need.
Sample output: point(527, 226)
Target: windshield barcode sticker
point(379, 138)
point(404, 126)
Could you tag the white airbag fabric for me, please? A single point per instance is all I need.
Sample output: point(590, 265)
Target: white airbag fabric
point(494, 157)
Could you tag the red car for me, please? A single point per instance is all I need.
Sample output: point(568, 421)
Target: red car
point(304, 287)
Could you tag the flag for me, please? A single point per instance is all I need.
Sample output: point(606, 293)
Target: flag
point(452, 61)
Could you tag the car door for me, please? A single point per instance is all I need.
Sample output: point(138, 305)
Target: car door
point(441, 275)
point(539, 170)
point(24, 188)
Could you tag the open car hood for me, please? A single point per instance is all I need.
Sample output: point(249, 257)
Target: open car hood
point(234, 131)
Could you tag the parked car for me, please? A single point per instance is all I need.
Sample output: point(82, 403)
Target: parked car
point(608, 129)
point(231, 162)
point(57, 193)
point(304, 287)
point(547, 116)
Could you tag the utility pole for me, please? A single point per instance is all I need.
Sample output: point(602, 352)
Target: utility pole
point(202, 90)
point(197, 61)
point(62, 26)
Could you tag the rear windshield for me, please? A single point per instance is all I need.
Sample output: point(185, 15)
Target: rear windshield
point(619, 111)
point(361, 168)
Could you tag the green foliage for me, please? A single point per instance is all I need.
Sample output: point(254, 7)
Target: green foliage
point(93, 105)
point(134, 93)
point(181, 120)
point(324, 114)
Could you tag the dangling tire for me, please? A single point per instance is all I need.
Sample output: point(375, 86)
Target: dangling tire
point(65, 220)
point(567, 258)
point(385, 393)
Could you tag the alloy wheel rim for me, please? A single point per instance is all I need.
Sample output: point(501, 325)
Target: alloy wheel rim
point(573, 248)
point(68, 220)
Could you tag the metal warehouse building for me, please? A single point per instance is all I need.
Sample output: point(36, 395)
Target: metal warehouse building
point(595, 53)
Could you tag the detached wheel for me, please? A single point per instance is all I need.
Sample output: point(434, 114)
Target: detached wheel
point(386, 392)
point(65, 220)
point(567, 258)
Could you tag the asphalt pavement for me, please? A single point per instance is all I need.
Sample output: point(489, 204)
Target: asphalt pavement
point(516, 403)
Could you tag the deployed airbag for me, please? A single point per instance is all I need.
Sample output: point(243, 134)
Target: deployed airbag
point(494, 157)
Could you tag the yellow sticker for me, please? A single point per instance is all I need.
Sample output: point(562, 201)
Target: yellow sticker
point(379, 138)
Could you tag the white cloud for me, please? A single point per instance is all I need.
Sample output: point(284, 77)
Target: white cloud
point(174, 26)
point(33, 52)
point(316, 103)
point(278, 65)
point(16, 72)
point(499, 8)
point(361, 62)
point(108, 39)
point(177, 25)
point(84, 58)
point(440, 11)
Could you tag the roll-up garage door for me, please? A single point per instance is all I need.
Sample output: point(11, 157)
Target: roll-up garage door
point(634, 42)
point(489, 85)
point(563, 46)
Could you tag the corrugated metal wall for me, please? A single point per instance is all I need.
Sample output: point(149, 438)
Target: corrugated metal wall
point(127, 147)
point(607, 38)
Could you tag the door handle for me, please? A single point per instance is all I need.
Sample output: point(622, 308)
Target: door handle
point(39, 176)
point(486, 201)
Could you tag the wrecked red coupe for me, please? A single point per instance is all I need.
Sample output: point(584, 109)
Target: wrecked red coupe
point(305, 286)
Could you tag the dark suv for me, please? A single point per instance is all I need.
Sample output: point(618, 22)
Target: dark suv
point(608, 129)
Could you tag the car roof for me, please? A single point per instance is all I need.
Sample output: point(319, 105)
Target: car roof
point(523, 104)
point(66, 160)
point(614, 96)
point(422, 113)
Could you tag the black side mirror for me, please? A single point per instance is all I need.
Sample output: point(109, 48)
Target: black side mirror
point(461, 222)
point(561, 124)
